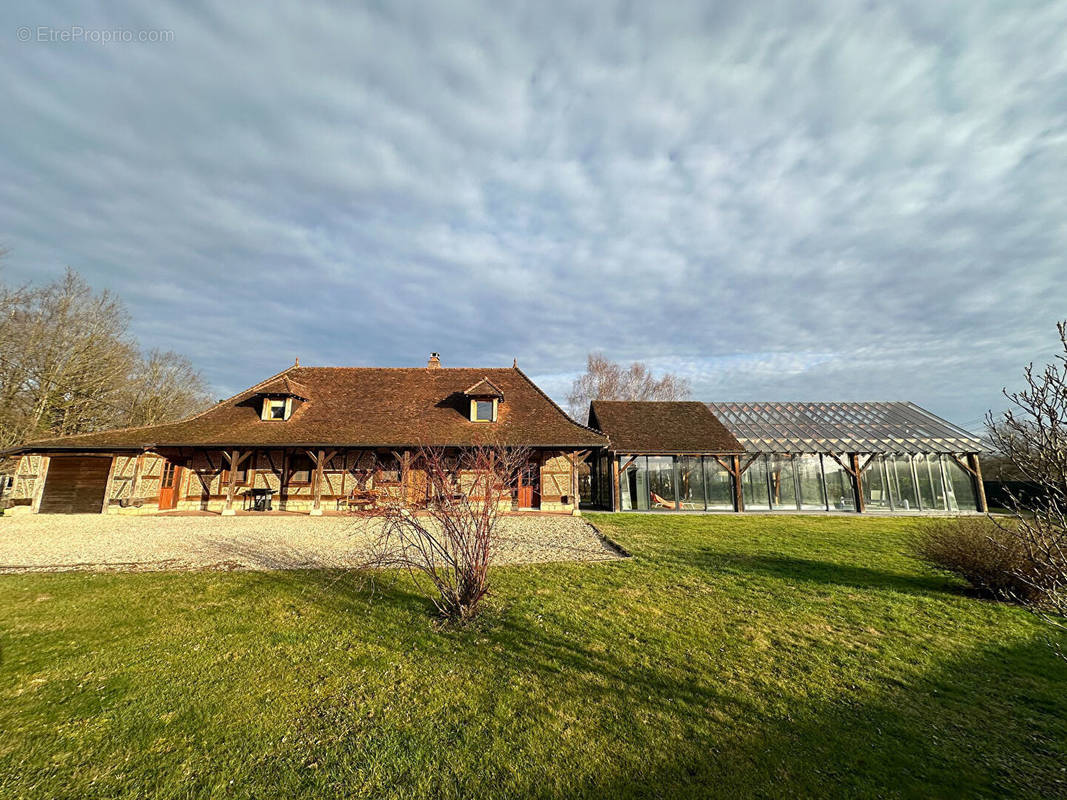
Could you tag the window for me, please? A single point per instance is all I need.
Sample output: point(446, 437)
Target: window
point(484, 410)
point(300, 468)
point(276, 408)
point(720, 485)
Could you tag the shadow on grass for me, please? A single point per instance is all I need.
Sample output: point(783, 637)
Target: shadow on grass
point(676, 719)
point(813, 571)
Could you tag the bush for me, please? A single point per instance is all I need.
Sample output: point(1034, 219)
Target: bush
point(994, 561)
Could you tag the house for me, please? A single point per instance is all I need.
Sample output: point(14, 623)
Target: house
point(307, 437)
point(885, 457)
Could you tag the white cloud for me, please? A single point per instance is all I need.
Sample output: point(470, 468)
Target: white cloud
point(836, 202)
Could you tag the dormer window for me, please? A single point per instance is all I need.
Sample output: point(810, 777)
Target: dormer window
point(483, 410)
point(485, 399)
point(277, 408)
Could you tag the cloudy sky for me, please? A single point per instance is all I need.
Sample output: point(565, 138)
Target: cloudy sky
point(776, 200)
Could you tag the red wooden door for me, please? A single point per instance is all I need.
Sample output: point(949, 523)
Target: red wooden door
point(168, 486)
point(530, 487)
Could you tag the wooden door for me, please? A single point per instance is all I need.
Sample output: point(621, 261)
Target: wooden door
point(169, 486)
point(530, 486)
point(75, 485)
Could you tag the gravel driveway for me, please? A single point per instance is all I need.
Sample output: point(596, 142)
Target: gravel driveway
point(95, 542)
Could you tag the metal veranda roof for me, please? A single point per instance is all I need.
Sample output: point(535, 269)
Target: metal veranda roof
point(842, 427)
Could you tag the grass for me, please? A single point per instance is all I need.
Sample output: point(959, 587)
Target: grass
point(755, 656)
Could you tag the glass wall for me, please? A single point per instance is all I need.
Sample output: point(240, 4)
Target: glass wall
point(719, 485)
point(902, 483)
point(661, 482)
point(961, 486)
point(875, 484)
point(782, 484)
point(808, 470)
point(754, 486)
point(633, 483)
point(898, 482)
point(931, 489)
point(690, 483)
point(839, 493)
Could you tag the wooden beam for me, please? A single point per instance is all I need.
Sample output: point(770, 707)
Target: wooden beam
point(616, 490)
point(739, 500)
point(231, 483)
point(972, 459)
point(316, 483)
point(857, 482)
point(137, 465)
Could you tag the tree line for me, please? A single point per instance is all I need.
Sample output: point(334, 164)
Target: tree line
point(69, 365)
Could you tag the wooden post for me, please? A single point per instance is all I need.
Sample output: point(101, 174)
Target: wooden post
point(976, 468)
point(616, 490)
point(857, 482)
point(231, 484)
point(316, 484)
point(739, 500)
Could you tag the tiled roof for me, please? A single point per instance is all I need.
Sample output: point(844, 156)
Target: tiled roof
point(484, 388)
point(842, 427)
point(364, 407)
point(284, 385)
point(661, 427)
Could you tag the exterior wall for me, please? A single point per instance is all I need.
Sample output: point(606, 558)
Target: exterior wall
point(931, 483)
point(134, 486)
point(557, 482)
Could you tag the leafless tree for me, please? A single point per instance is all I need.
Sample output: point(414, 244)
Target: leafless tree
point(163, 386)
point(442, 526)
point(604, 379)
point(68, 365)
point(1032, 436)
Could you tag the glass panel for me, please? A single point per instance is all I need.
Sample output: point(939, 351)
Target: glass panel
point(783, 490)
point(961, 484)
point(604, 478)
point(875, 486)
point(901, 484)
point(719, 484)
point(691, 483)
point(839, 492)
point(931, 492)
point(483, 410)
point(277, 409)
point(754, 486)
point(633, 484)
point(809, 476)
point(661, 482)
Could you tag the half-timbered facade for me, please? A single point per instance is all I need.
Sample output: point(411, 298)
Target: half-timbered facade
point(311, 439)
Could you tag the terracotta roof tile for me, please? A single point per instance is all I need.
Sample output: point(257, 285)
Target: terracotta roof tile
point(364, 407)
point(661, 427)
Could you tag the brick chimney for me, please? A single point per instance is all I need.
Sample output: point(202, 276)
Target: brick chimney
point(434, 362)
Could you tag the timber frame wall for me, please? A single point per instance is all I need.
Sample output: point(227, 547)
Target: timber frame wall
point(209, 481)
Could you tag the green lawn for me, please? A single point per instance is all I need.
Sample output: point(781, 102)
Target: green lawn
point(753, 656)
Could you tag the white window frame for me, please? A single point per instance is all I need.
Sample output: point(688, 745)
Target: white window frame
point(474, 409)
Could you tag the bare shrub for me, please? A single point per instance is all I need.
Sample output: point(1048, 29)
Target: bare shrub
point(988, 557)
point(1032, 436)
point(441, 524)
